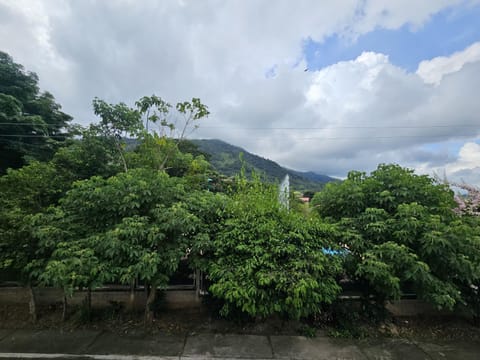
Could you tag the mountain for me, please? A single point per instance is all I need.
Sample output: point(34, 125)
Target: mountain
point(226, 160)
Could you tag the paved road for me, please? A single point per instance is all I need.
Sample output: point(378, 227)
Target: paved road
point(87, 344)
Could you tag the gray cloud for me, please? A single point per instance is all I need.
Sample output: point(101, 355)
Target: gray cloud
point(220, 51)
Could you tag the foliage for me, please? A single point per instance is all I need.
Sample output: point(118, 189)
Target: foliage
point(90, 155)
point(401, 233)
point(308, 331)
point(213, 209)
point(129, 226)
point(25, 193)
point(156, 152)
point(266, 260)
point(78, 221)
point(31, 123)
point(468, 207)
point(156, 149)
point(225, 158)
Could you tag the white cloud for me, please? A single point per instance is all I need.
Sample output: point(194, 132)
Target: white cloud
point(432, 71)
point(220, 51)
point(359, 113)
point(464, 168)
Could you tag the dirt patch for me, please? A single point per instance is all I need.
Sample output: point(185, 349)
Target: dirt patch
point(437, 328)
point(201, 320)
point(116, 320)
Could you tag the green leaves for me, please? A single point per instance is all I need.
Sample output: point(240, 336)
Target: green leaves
point(26, 196)
point(401, 231)
point(194, 109)
point(117, 119)
point(130, 226)
point(265, 260)
point(31, 123)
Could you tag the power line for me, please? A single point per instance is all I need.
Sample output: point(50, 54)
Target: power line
point(343, 127)
point(33, 135)
point(308, 128)
point(266, 136)
point(27, 124)
point(384, 137)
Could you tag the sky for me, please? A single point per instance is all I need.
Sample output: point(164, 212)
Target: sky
point(324, 86)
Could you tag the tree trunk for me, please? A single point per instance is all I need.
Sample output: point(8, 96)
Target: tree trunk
point(64, 309)
point(149, 315)
point(32, 304)
point(131, 299)
point(120, 152)
point(88, 303)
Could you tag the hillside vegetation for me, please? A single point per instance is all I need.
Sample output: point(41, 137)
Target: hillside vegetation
point(227, 160)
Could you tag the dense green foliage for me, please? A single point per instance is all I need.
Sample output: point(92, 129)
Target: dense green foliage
point(132, 225)
point(402, 234)
point(266, 260)
point(32, 126)
point(225, 158)
point(24, 195)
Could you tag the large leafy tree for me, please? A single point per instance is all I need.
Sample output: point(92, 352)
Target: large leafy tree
point(265, 260)
point(32, 125)
point(402, 233)
point(153, 128)
point(111, 225)
point(25, 194)
point(130, 226)
point(87, 156)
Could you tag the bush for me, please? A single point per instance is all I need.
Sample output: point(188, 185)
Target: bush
point(400, 229)
point(265, 260)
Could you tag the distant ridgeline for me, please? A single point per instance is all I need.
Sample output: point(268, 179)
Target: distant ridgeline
point(226, 160)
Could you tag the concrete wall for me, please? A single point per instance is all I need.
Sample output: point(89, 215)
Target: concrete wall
point(173, 299)
point(411, 307)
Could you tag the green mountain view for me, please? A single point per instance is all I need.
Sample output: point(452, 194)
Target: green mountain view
point(226, 160)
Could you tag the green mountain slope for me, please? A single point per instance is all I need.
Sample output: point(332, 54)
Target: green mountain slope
point(226, 160)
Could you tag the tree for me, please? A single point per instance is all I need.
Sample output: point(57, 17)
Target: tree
point(154, 149)
point(69, 264)
point(87, 156)
point(468, 207)
point(402, 232)
point(79, 221)
point(116, 121)
point(32, 125)
point(129, 226)
point(160, 147)
point(21, 251)
point(265, 260)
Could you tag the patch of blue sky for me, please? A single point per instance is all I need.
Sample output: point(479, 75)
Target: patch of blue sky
point(449, 148)
point(448, 31)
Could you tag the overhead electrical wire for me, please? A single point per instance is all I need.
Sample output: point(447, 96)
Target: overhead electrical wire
point(308, 128)
point(265, 137)
point(33, 135)
point(299, 128)
point(342, 127)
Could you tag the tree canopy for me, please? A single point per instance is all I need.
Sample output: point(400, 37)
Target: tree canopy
point(32, 125)
point(265, 260)
point(402, 234)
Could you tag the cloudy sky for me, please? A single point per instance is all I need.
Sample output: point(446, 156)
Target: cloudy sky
point(327, 86)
